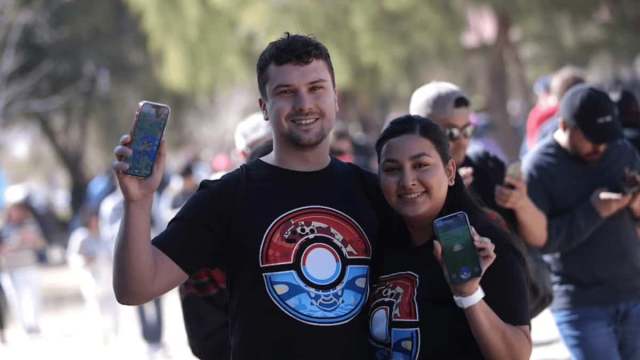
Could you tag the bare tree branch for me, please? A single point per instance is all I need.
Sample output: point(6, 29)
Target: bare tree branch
point(19, 88)
point(8, 61)
point(44, 105)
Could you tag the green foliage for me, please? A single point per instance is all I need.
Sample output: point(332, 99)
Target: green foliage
point(195, 44)
point(77, 66)
point(572, 31)
point(380, 47)
point(375, 44)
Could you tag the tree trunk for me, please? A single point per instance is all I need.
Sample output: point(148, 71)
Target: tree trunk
point(71, 158)
point(497, 90)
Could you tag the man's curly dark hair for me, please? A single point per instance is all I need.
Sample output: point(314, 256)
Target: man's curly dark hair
point(291, 49)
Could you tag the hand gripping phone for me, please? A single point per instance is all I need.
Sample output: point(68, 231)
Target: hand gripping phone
point(148, 128)
point(458, 251)
point(631, 181)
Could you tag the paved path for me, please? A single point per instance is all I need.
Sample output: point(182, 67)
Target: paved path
point(67, 332)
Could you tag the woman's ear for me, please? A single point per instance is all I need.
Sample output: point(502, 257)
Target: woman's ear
point(450, 170)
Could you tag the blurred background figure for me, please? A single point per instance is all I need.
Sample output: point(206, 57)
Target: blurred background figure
point(576, 178)
point(149, 314)
point(342, 145)
point(249, 134)
point(629, 115)
point(3, 299)
point(90, 256)
point(546, 121)
point(20, 241)
point(180, 188)
point(544, 108)
point(3, 315)
point(204, 296)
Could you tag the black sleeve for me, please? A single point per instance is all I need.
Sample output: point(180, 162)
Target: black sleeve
point(488, 171)
point(505, 285)
point(194, 238)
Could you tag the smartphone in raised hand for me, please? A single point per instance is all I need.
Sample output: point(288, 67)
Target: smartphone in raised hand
point(459, 254)
point(146, 134)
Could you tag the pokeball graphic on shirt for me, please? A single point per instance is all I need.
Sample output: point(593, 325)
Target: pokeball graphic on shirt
point(394, 317)
point(315, 265)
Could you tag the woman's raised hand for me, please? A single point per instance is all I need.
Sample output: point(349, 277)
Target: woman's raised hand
point(486, 253)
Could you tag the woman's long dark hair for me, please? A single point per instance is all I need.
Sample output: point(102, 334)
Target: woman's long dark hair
point(458, 197)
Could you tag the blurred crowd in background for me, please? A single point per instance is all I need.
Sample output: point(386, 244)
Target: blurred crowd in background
point(38, 230)
point(60, 206)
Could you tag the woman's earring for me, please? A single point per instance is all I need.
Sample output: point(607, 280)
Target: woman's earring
point(451, 182)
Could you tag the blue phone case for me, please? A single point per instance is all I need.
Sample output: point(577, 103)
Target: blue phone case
point(146, 135)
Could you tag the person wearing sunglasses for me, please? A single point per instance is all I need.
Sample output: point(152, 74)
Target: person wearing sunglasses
point(482, 172)
point(454, 133)
point(447, 105)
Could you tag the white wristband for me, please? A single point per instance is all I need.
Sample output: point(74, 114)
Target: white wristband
point(464, 302)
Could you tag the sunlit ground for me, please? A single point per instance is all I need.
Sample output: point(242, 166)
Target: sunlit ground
point(68, 332)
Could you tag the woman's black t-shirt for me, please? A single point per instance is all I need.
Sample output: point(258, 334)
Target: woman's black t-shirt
point(412, 314)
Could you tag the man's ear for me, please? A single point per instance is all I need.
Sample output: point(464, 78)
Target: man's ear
point(337, 100)
point(263, 108)
point(450, 170)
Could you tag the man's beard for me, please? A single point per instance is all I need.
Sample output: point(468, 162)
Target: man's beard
point(305, 141)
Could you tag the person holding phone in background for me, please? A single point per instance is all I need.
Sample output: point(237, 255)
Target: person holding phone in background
point(415, 313)
point(483, 173)
point(294, 230)
point(577, 177)
point(486, 176)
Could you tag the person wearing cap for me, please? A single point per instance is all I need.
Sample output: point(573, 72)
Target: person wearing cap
point(250, 134)
point(576, 178)
point(483, 173)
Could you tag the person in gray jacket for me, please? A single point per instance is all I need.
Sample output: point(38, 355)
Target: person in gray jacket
point(577, 178)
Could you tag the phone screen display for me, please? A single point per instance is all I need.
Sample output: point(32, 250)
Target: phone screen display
point(146, 135)
point(458, 252)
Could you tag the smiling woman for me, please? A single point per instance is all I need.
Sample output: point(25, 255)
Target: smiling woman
point(415, 311)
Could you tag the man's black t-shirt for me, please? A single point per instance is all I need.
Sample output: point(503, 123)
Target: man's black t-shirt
point(296, 247)
point(412, 312)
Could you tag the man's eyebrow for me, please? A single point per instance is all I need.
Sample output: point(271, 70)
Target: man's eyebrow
point(313, 82)
point(318, 81)
point(281, 86)
point(419, 155)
